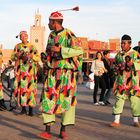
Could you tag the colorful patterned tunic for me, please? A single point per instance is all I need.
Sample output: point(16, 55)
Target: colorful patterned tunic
point(60, 82)
point(127, 80)
point(25, 85)
point(1, 91)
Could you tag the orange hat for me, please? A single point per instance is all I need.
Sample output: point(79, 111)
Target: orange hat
point(56, 15)
point(21, 32)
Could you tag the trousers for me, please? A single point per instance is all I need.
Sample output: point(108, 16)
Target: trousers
point(134, 105)
point(67, 118)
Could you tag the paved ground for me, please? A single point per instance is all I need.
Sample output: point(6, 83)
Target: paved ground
point(92, 123)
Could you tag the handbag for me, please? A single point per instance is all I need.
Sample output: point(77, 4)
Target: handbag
point(90, 83)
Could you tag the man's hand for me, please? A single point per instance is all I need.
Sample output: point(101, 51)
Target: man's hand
point(55, 49)
point(30, 56)
point(43, 57)
point(18, 54)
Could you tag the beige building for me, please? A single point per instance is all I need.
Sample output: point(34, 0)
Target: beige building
point(114, 44)
point(5, 55)
point(37, 33)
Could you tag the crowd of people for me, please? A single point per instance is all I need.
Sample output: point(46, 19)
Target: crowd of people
point(103, 70)
point(62, 62)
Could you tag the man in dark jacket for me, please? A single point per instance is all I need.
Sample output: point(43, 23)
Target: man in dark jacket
point(107, 77)
point(137, 48)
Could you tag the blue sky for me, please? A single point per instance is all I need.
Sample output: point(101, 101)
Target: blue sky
point(97, 19)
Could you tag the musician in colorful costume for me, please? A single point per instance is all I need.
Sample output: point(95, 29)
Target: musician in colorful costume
point(127, 85)
point(26, 58)
point(63, 59)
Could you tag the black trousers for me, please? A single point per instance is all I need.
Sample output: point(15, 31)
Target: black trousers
point(99, 81)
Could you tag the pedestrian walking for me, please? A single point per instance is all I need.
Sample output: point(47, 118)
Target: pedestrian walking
point(10, 75)
point(98, 69)
point(137, 48)
point(107, 77)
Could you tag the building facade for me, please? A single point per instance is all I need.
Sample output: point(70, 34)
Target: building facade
point(37, 33)
point(92, 46)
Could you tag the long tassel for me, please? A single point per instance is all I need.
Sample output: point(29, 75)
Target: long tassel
point(72, 9)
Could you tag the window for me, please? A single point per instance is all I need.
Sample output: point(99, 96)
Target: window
point(85, 55)
point(36, 40)
point(91, 56)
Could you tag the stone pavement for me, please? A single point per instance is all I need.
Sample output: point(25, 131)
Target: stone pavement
point(92, 123)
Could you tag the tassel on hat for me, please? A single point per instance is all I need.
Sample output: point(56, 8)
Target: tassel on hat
point(58, 15)
point(72, 9)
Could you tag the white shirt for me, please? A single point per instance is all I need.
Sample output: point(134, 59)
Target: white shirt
point(10, 73)
point(98, 67)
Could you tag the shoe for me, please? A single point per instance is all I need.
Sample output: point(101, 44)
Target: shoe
point(63, 135)
point(2, 105)
point(30, 112)
point(101, 103)
point(136, 124)
point(107, 102)
point(45, 135)
point(23, 111)
point(96, 104)
point(114, 124)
